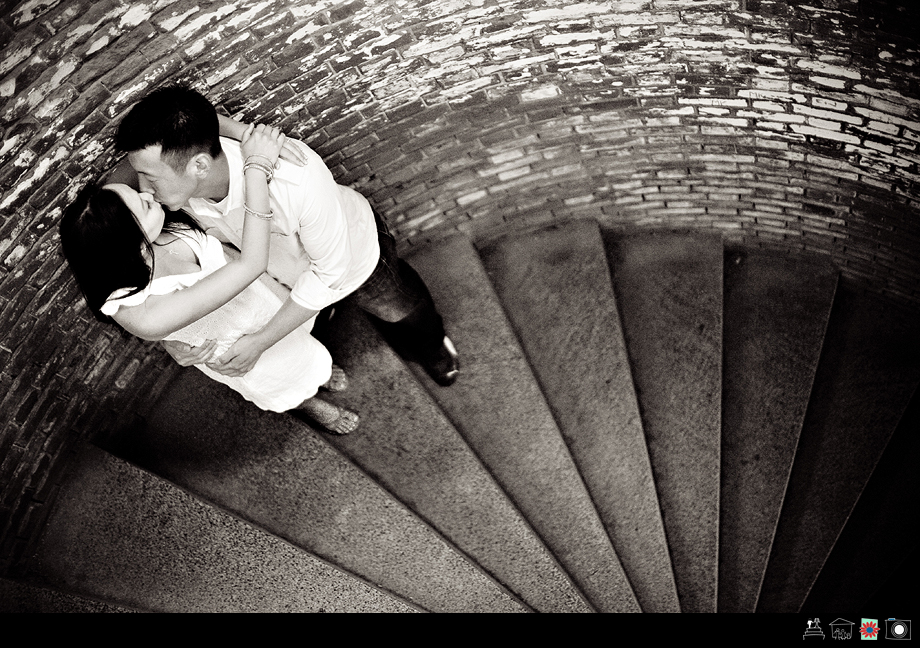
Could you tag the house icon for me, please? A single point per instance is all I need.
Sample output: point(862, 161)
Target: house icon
point(842, 629)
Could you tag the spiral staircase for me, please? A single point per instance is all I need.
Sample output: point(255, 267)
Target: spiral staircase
point(647, 422)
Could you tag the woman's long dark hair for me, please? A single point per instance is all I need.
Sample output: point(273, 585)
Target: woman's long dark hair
point(105, 246)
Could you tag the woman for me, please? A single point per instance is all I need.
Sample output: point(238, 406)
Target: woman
point(160, 277)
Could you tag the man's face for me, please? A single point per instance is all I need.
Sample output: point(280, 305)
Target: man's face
point(168, 187)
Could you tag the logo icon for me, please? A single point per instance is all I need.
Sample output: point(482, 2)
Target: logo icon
point(897, 629)
point(814, 629)
point(868, 629)
point(841, 629)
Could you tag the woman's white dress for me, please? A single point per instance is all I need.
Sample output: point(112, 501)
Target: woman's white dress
point(287, 374)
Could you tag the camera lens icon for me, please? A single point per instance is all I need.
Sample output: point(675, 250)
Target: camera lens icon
point(897, 629)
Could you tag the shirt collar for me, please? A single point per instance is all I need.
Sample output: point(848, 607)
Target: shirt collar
point(234, 197)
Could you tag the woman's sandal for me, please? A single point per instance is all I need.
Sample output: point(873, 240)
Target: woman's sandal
point(338, 382)
point(335, 419)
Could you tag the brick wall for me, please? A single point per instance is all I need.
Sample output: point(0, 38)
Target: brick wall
point(786, 124)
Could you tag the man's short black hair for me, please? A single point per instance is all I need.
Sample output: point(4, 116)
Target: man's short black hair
point(182, 121)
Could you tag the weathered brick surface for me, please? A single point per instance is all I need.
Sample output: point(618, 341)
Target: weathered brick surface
point(785, 124)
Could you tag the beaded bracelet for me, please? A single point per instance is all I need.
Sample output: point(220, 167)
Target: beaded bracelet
point(256, 155)
point(261, 165)
point(249, 211)
point(268, 168)
point(269, 173)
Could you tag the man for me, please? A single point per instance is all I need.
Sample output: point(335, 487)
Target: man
point(327, 243)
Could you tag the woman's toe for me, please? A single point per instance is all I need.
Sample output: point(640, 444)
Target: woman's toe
point(348, 422)
point(338, 381)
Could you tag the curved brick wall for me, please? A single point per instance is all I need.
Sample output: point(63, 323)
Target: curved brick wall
point(789, 124)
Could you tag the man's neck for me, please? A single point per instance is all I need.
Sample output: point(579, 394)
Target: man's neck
point(217, 185)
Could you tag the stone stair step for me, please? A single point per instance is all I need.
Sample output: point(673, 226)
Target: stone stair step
point(898, 592)
point(21, 598)
point(873, 535)
point(497, 406)
point(278, 473)
point(555, 287)
point(121, 535)
point(409, 447)
point(869, 369)
point(669, 292)
point(776, 309)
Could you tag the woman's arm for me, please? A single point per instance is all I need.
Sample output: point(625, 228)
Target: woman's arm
point(231, 128)
point(234, 130)
point(161, 315)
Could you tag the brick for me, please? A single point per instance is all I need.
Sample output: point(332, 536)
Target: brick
point(828, 82)
point(49, 190)
point(119, 50)
point(22, 46)
point(28, 98)
point(15, 139)
point(827, 115)
point(883, 127)
point(889, 107)
point(824, 133)
point(827, 69)
point(142, 84)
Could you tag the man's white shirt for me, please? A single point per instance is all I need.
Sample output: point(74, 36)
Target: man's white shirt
point(324, 238)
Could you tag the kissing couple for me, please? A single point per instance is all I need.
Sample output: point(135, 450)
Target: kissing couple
point(146, 250)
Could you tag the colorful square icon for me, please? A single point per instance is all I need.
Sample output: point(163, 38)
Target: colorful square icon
point(868, 629)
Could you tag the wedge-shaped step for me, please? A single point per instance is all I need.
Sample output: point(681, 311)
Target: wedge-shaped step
point(498, 407)
point(899, 590)
point(869, 368)
point(555, 287)
point(16, 597)
point(669, 292)
point(776, 309)
point(122, 535)
point(276, 472)
point(407, 445)
point(880, 533)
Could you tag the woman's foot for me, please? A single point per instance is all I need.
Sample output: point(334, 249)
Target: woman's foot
point(335, 419)
point(338, 382)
